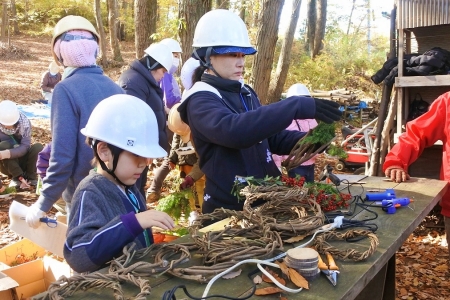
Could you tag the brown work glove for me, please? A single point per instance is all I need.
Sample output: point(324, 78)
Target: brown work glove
point(396, 174)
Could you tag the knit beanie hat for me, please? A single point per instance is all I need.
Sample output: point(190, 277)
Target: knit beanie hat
point(77, 52)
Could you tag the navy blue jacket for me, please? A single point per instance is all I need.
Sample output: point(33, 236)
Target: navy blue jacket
point(139, 82)
point(236, 139)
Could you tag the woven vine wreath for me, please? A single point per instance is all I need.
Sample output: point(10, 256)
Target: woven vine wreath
point(322, 246)
point(287, 210)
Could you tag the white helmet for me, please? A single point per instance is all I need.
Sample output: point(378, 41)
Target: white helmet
point(126, 122)
point(9, 113)
point(161, 53)
point(187, 71)
point(173, 45)
point(221, 27)
point(53, 67)
point(298, 89)
point(176, 125)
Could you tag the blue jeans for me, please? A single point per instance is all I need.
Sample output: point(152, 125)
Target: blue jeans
point(303, 171)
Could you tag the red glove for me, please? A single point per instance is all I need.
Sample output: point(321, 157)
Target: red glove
point(187, 182)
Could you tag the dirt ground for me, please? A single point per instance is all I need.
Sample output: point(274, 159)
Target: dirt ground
point(422, 271)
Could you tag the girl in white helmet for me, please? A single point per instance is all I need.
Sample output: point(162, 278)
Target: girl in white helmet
point(17, 155)
point(142, 80)
point(74, 46)
point(108, 212)
point(233, 133)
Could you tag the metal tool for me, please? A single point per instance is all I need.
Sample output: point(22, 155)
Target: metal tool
point(331, 270)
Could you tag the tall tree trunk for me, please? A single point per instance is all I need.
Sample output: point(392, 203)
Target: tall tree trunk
point(189, 12)
point(317, 17)
point(222, 4)
point(101, 31)
point(278, 81)
point(350, 18)
point(145, 15)
point(4, 21)
point(266, 37)
point(320, 27)
point(311, 25)
point(14, 15)
point(113, 29)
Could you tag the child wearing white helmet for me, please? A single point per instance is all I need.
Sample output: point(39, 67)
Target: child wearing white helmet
point(233, 133)
point(306, 169)
point(74, 46)
point(17, 155)
point(108, 211)
point(142, 80)
point(48, 81)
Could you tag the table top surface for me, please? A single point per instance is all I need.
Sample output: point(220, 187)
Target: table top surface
point(393, 230)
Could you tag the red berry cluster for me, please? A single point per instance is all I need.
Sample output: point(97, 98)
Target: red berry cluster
point(299, 181)
point(331, 202)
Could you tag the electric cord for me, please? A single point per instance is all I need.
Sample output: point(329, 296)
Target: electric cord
point(170, 294)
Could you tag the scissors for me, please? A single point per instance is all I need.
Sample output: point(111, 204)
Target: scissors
point(331, 270)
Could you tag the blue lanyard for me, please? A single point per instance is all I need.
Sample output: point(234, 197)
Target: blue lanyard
point(243, 102)
point(135, 203)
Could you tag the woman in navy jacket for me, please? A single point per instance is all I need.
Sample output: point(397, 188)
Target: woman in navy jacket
point(234, 134)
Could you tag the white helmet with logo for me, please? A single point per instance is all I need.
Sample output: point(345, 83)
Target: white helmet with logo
point(161, 53)
point(173, 45)
point(298, 89)
point(9, 113)
point(126, 122)
point(176, 125)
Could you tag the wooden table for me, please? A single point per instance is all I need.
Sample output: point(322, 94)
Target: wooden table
point(371, 279)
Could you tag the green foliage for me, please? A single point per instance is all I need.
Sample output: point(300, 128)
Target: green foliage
point(9, 190)
point(337, 151)
point(182, 231)
point(176, 204)
point(323, 133)
point(40, 16)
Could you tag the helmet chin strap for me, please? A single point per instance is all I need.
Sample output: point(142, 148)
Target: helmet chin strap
point(116, 153)
point(207, 63)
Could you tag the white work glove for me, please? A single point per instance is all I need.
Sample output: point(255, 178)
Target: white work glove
point(33, 216)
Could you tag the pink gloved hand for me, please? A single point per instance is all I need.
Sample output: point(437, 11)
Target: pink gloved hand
point(187, 183)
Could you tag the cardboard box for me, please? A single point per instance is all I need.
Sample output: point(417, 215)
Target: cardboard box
point(33, 277)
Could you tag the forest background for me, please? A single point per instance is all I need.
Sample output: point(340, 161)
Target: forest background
point(333, 47)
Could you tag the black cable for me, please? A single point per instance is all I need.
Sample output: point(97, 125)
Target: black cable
point(170, 294)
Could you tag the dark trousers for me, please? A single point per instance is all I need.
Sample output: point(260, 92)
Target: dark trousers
point(21, 166)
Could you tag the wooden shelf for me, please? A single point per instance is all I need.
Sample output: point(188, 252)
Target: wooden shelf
point(418, 81)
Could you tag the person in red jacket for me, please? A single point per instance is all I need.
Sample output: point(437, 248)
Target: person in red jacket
point(421, 133)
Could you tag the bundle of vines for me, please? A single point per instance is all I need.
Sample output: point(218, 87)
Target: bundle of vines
point(276, 211)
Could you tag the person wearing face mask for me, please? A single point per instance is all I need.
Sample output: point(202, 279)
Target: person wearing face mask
point(172, 95)
point(142, 80)
point(48, 81)
point(74, 46)
point(233, 133)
